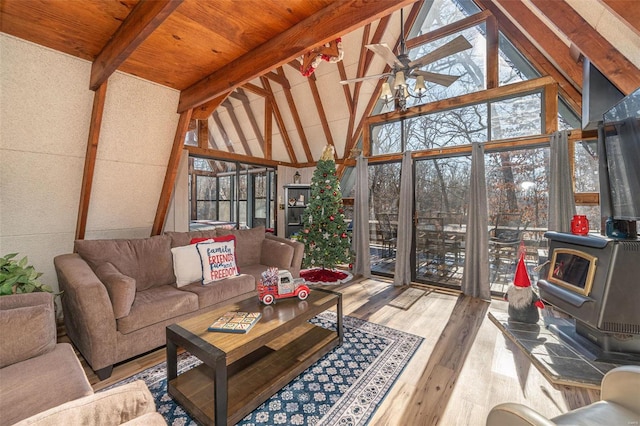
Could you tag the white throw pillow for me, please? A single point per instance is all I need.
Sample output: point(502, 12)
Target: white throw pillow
point(186, 264)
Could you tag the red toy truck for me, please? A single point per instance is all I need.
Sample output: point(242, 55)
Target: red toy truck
point(284, 287)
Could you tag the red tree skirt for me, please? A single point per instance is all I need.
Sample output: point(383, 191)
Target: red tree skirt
point(326, 276)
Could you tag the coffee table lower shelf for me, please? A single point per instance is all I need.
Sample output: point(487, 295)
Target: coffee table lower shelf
point(254, 378)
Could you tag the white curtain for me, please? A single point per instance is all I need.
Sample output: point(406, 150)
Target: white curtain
point(562, 205)
point(402, 274)
point(360, 239)
point(475, 278)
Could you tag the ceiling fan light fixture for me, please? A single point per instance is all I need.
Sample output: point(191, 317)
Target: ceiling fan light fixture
point(399, 81)
point(420, 87)
point(386, 94)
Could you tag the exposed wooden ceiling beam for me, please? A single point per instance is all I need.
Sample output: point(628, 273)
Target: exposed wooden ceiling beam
point(338, 18)
point(256, 90)
point(252, 119)
point(352, 140)
point(281, 80)
point(296, 118)
point(618, 69)
point(547, 41)
point(627, 11)
point(237, 126)
point(223, 133)
point(239, 95)
point(345, 87)
point(279, 121)
point(570, 93)
point(171, 173)
point(363, 66)
point(145, 17)
point(321, 113)
point(356, 89)
point(204, 111)
point(469, 21)
point(204, 139)
point(90, 159)
point(230, 156)
point(268, 129)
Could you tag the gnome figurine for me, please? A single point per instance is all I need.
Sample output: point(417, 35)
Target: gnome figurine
point(523, 301)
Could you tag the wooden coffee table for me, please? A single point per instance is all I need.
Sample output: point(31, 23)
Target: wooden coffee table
point(241, 371)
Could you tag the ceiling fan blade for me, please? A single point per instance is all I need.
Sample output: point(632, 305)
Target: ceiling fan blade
point(386, 53)
point(353, 80)
point(441, 79)
point(456, 45)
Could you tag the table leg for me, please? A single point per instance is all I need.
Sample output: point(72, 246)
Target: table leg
point(172, 360)
point(220, 391)
point(339, 324)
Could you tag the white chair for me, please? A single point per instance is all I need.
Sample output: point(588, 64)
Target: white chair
point(619, 405)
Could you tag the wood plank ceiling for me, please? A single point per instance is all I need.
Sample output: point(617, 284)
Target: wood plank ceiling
point(234, 62)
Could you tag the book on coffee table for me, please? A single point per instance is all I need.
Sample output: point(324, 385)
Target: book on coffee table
point(235, 322)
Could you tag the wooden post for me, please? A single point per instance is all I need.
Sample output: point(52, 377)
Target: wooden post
point(90, 158)
point(170, 176)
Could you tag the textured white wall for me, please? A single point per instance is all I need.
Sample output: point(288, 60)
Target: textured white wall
point(45, 110)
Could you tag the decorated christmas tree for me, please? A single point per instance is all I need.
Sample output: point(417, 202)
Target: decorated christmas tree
point(324, 232)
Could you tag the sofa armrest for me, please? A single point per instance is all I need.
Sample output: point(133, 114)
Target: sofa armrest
point(298, 253)
point(621, 386)
point(513, 414)
point(88, 313)
point(112, 407)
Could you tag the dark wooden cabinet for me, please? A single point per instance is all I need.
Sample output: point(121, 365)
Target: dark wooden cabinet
point(296, 200)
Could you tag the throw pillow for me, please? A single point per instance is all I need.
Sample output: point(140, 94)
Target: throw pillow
point(187, 264)
point(121, 288)
point(218, 260)
point(27, 332)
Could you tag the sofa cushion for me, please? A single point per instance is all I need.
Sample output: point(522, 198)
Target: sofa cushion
point(147, 260)
point(27, 332)
point(111, 407)
point(255, 271)
point(40, 383)
point(179, 239)
point(276, 253)
point(248, 244)
point(155, 305)
point(121, 288)
point(221, 291)
point(218, 259)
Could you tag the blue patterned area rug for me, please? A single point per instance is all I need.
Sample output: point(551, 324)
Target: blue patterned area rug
point(344, 387)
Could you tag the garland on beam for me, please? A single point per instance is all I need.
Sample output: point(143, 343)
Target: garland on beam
point(331, 52)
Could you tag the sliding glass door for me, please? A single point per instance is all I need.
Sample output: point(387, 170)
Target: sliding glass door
point(441, 205)
point(384, 201)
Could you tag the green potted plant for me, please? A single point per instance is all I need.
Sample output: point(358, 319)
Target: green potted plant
point(18, 277)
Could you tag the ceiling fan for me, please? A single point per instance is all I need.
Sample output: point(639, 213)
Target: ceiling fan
point(402, 67)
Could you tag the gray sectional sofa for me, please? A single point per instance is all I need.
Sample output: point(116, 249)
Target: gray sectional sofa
point(119, 295)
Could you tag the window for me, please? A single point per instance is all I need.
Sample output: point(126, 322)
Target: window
point(586, 182)
point(469, 64)
point(459, 126)
point(516, 117)
point(512, 66)
point(242, 194)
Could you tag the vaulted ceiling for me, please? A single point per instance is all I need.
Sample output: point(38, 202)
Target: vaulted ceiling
point(235, 61)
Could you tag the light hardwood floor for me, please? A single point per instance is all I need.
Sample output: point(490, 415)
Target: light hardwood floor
point(464, 367)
